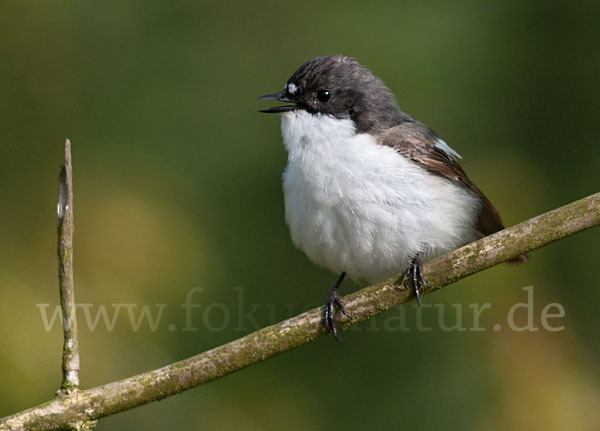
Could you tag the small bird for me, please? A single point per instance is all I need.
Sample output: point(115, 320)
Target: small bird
point(369, 190)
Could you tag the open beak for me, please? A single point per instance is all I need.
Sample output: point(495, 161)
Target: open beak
point(278, 109)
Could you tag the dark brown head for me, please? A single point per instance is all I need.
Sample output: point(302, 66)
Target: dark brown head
point(339, 86)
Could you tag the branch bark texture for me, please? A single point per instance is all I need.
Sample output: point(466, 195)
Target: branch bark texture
point(91, 404)
point(70, 357)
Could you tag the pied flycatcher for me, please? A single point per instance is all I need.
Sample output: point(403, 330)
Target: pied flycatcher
point(369, 190)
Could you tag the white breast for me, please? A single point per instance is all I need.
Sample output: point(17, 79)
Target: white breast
point(353, 205)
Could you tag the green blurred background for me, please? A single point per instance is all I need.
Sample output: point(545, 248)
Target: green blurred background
point(177, 185)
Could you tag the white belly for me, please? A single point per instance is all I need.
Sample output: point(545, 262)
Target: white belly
point(355, 206)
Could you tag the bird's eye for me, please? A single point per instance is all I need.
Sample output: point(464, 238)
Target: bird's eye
point(323, 95)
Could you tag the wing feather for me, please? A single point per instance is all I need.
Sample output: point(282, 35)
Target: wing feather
point(416, 141)
point(422, 145)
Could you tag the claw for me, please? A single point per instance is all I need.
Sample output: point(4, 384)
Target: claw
point(415, 273)
point(335, 299)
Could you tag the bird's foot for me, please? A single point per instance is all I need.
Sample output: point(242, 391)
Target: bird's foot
point(335, 299)
point(415, 273)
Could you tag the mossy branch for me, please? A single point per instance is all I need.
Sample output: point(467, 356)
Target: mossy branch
point(91, 404)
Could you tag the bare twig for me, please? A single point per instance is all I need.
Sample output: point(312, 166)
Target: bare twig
point(70, 357)
point(260, 345)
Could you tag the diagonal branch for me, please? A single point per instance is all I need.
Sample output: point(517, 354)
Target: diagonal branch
point(154, 385)
point(70, 357)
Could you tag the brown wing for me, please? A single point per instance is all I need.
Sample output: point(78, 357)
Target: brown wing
point(422, 145)
point(419, 143)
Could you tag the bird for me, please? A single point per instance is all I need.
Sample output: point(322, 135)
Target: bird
point(369, 191)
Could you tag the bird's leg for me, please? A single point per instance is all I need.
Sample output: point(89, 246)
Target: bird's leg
point(415, 273)
point(335, 299)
